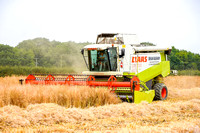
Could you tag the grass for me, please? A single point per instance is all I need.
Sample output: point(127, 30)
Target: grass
point(25, 70)
point(179, 113)
point(189, 72)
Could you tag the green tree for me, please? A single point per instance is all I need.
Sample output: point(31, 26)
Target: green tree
point(7, 55)
point(184, 60)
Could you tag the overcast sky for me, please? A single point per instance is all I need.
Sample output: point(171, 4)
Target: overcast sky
point(162, 22)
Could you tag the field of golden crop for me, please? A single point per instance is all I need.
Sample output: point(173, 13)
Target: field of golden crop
point(82, 109)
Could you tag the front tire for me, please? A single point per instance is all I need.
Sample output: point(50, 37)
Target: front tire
point(161, 91)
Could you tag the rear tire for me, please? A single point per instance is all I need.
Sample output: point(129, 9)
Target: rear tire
point(161, 91)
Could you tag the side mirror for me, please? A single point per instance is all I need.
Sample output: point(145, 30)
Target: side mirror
point(122, 53)
point(82, 51)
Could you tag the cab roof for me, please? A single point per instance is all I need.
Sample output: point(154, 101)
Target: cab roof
point(107, 34)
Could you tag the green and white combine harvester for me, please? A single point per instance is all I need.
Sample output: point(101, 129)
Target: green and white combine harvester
point(134, 72)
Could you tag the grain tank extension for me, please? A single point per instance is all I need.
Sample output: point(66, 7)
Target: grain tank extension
point(117, 61)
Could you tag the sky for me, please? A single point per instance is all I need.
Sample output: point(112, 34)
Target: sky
point(162, 22)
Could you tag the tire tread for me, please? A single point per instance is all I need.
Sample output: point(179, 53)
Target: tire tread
point(157, 87)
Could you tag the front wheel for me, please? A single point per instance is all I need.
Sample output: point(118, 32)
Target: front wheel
point(161, 91)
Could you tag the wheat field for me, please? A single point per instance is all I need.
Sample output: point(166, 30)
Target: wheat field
point(12, 93)
point(26, 108)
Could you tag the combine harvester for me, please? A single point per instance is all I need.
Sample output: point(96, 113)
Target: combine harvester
point(117, 61)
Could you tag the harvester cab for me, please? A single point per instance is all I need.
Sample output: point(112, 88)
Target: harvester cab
point(117, 61)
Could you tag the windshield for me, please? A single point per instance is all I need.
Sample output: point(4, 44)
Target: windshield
point(102, 60)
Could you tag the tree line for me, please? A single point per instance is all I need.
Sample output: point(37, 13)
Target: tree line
point(44, 53)
point(184, 60)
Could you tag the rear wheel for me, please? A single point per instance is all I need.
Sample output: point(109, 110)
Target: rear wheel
point(161, 91)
